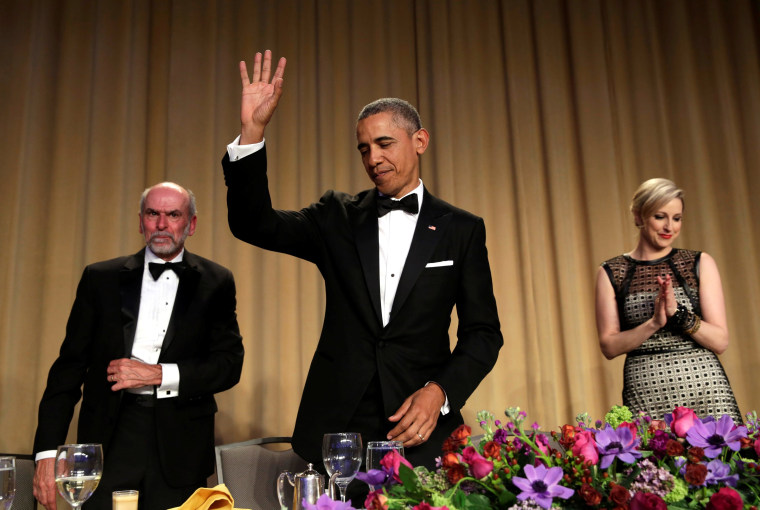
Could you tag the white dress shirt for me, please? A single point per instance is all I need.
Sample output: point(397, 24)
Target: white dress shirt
point(156, 305)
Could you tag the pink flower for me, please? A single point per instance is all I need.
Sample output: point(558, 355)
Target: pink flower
point(757, 446)
point(683, 419)
point(631, 427)
point(392, 461)
point(426, 506)
point(586, 446)
point(479, 466)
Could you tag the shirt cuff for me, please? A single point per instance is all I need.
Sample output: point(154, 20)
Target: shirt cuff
point(445, 408)
point(169, 381)
point(45, 454)
point(236, 151)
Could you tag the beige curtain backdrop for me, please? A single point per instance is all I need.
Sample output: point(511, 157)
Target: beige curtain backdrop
point(545, 116)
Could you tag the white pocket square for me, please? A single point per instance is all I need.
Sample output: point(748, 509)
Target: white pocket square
point(441, 263)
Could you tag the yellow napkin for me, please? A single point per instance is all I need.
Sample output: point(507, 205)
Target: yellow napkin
point(218, 498)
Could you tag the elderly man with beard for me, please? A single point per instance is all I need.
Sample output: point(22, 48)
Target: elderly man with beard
point(150, 338)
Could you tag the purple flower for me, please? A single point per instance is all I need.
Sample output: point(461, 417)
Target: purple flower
point(501, 436)
point(618, 443)
point(541, 485)
point(658, 443)
point(713, 436)
point(374, 477)
point(718, 472)
point(325, 503)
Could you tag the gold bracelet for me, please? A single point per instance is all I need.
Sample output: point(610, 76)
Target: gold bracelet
point(695, 327)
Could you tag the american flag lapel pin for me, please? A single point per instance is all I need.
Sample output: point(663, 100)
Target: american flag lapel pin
point(431, 227)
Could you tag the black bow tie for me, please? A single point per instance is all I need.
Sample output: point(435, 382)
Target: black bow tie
point(156, 268)
point(407, 204)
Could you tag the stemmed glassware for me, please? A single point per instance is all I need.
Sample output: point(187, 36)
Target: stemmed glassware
point(7, 482)
point(342, 453)
point(376, 450)
point(78, 468)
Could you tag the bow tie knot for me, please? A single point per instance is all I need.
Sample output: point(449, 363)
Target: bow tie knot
point(386, 204)
point(156, 268)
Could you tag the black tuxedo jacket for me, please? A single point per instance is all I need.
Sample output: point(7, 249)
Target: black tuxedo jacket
point(340, 235)
point(203, 339)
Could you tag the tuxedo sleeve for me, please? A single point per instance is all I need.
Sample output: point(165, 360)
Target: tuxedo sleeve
point(479, 335)
point(252, 218)
point(68, 372)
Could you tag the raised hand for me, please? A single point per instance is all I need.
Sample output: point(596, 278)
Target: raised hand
point(259, 97)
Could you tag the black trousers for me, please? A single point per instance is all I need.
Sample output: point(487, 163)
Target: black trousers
point(132, 462)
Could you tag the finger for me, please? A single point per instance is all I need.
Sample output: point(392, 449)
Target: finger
point(244, 74)
point(256, 68)
point(279, 73)
point(401, 411)
point(266, 69)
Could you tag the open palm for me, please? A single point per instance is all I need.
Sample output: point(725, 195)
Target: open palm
point(259, 96)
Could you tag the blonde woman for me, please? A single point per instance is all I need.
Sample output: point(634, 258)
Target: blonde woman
point(663, 308)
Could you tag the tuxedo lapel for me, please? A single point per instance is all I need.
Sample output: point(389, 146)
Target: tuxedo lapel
point(363, 217)
point(130, 283)
point(431, 225)
point(188, 283)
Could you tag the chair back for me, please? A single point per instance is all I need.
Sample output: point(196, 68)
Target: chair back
point(24, 499)
point(250, 471)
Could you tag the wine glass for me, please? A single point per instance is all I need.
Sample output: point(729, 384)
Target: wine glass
point(342, 453)
point(78, 468)
point(376, 450)
point(7, 481)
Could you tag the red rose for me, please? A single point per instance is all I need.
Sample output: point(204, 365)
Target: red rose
point(450, 459)
point(647, 501)
point(450, 445)
point(461, 434)
point(619, 494)
point(683, 420)
point(725, 499)
point(456, 473)
point(376, 500)
point(673, 448)
point(757, 446)
point(568, 436)
point(590, 495)
point(695, 474)
point(695, 454)
point(492, 450)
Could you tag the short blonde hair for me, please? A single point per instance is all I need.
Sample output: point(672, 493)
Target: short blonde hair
point(652, 195)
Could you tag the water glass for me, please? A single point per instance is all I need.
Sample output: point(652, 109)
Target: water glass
point(7, 482)
point(376, 450)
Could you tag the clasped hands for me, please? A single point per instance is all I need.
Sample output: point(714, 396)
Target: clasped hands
point(665, 304)
point(418, 416)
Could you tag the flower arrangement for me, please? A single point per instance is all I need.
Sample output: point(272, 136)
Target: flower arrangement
point(621, 462)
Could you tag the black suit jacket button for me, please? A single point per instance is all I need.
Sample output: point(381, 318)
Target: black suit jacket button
point(380, 344)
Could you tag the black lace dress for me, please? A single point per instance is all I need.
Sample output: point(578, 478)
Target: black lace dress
point(669, 369)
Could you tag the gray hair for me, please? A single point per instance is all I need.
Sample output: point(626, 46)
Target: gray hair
point(192, 209)
point(403, 113)
point(652, 195)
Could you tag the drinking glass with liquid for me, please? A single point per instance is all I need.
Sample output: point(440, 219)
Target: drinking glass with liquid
point(125, 500)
